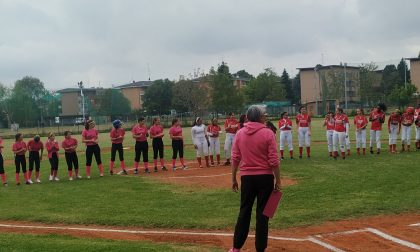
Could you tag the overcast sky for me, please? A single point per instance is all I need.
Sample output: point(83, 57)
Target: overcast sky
point(112, 42)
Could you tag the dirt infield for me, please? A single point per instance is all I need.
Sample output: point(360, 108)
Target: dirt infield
point(381, 233)
point(211, 177)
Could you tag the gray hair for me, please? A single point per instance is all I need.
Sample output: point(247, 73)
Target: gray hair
point(255, 112)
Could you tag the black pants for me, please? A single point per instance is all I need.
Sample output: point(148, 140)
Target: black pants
point(114, 149)
point(142, 148)
point(260, 187)
point(20, 161)
point(93, 150)
point(72, 160)
point(54, 162)
point(1, 164)
point(177, 146)
point(34, 159)
point(157, 144)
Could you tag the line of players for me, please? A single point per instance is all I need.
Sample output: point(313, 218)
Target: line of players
point(205, 140)
point(338, 129)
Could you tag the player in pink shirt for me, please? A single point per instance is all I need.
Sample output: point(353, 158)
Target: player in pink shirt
point(407, 121)
point(52, 148)
point(329, 124)
point(377, 117)
point(213, 131)
point(2, 174)
point(69, 145)
point(34, 146)
point(303, 122)
point(341, 132)
point(117, 137)
point(285, 127)
point(19, 149)
point(90, 138)
point(175, 132)
point(156, 133)
point(360, 121)
point(417, 122)
point(140, 134)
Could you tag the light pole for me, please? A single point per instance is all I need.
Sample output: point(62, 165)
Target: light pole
point(345, 85)
point(405, 74)
point(80, 84)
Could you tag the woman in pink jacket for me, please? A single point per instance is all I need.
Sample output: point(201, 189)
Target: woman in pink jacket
point(259, 166)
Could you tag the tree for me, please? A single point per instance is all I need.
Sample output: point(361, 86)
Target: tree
point(296, 89)
point(401, 95)
point(403, 71)
point(3, 108)
point(368, 79)
point(287, 83)
point(112, 103)
point(225, 96)
point(265, 87)
point(158, 97)
point(188, 96)
point(390, 79)
point(24, 105)
point(244, 74)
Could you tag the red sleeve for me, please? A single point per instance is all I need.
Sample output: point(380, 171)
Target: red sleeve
point(309, 118)
point(63, 144)
point(111, 133)
point(226, 123)
point(48, 146)
point(297, 119)
point(42, 144)
point(57, 146)
point(273, 157)
point(279, 123)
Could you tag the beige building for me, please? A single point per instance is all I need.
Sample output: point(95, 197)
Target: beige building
point(134, 92)
point(71, 101)
point(324, 87)
point(415, 72)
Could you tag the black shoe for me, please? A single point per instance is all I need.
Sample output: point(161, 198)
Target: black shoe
point(27, 182)
point(146, 170)
point(136, 171)
point(156, 169)
point(282, 158)
point(344, 157)
point(5, 184)
point(300, 157)
point(111, 173)
point(308, 156)
point(335, 158)
point(291, 157)
point(164, 168)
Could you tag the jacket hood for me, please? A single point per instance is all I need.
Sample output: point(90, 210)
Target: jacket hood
point(253, 127)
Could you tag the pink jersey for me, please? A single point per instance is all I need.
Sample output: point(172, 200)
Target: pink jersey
point(360, 121)
point(329, 122)
point(90, 134)
point(232, 122)
point(340, 121)
point(303, 120)
point(35, 146)
point(52, 147)
point(285, 124)
point(140, 130)
point(117, 133)
point(1, 144)
point(19, 145)
point(407, 119)
point(175, 131)
point(214, 130)
point(377, 119)
point(68, 143)
point(156, 130)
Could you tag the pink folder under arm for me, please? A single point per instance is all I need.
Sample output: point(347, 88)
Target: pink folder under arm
point(272, 204)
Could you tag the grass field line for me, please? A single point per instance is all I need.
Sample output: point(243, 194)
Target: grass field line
point(187, 233)
point(414, 225)
point(203, 176)
point(393, 239)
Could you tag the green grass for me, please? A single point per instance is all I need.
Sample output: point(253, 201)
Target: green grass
point(326, 190)
point(12, 242)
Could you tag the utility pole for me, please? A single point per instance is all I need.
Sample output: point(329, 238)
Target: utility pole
point(345, 85)
point(80, 84)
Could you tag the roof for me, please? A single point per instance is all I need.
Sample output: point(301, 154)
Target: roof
point(135, 84)
point(326, 67)
point(74, 90)
point(414, 59)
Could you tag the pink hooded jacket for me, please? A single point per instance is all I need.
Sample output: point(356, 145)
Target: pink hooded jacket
point(255, 150)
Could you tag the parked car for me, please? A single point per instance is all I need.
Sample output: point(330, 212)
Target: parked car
point(79, 121)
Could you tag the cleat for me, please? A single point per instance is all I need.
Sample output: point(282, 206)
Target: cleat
point(51, 178)
point(156, 169)
point(30, 181)
point(27, 182)
point(227, 163)
point(18, 183)
point(38, 181)
point(56, 179)
point(5, 184)
point(300, 157)
point(88, 177)
point(164, 168)
point(184, 167)
point(78, 177)
point(136, 171)
point(101, 175)
point(174, 168)
point(111, 173)
point(70, 178)
point(291, 157)
point(282, 158)
point(146, 170)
